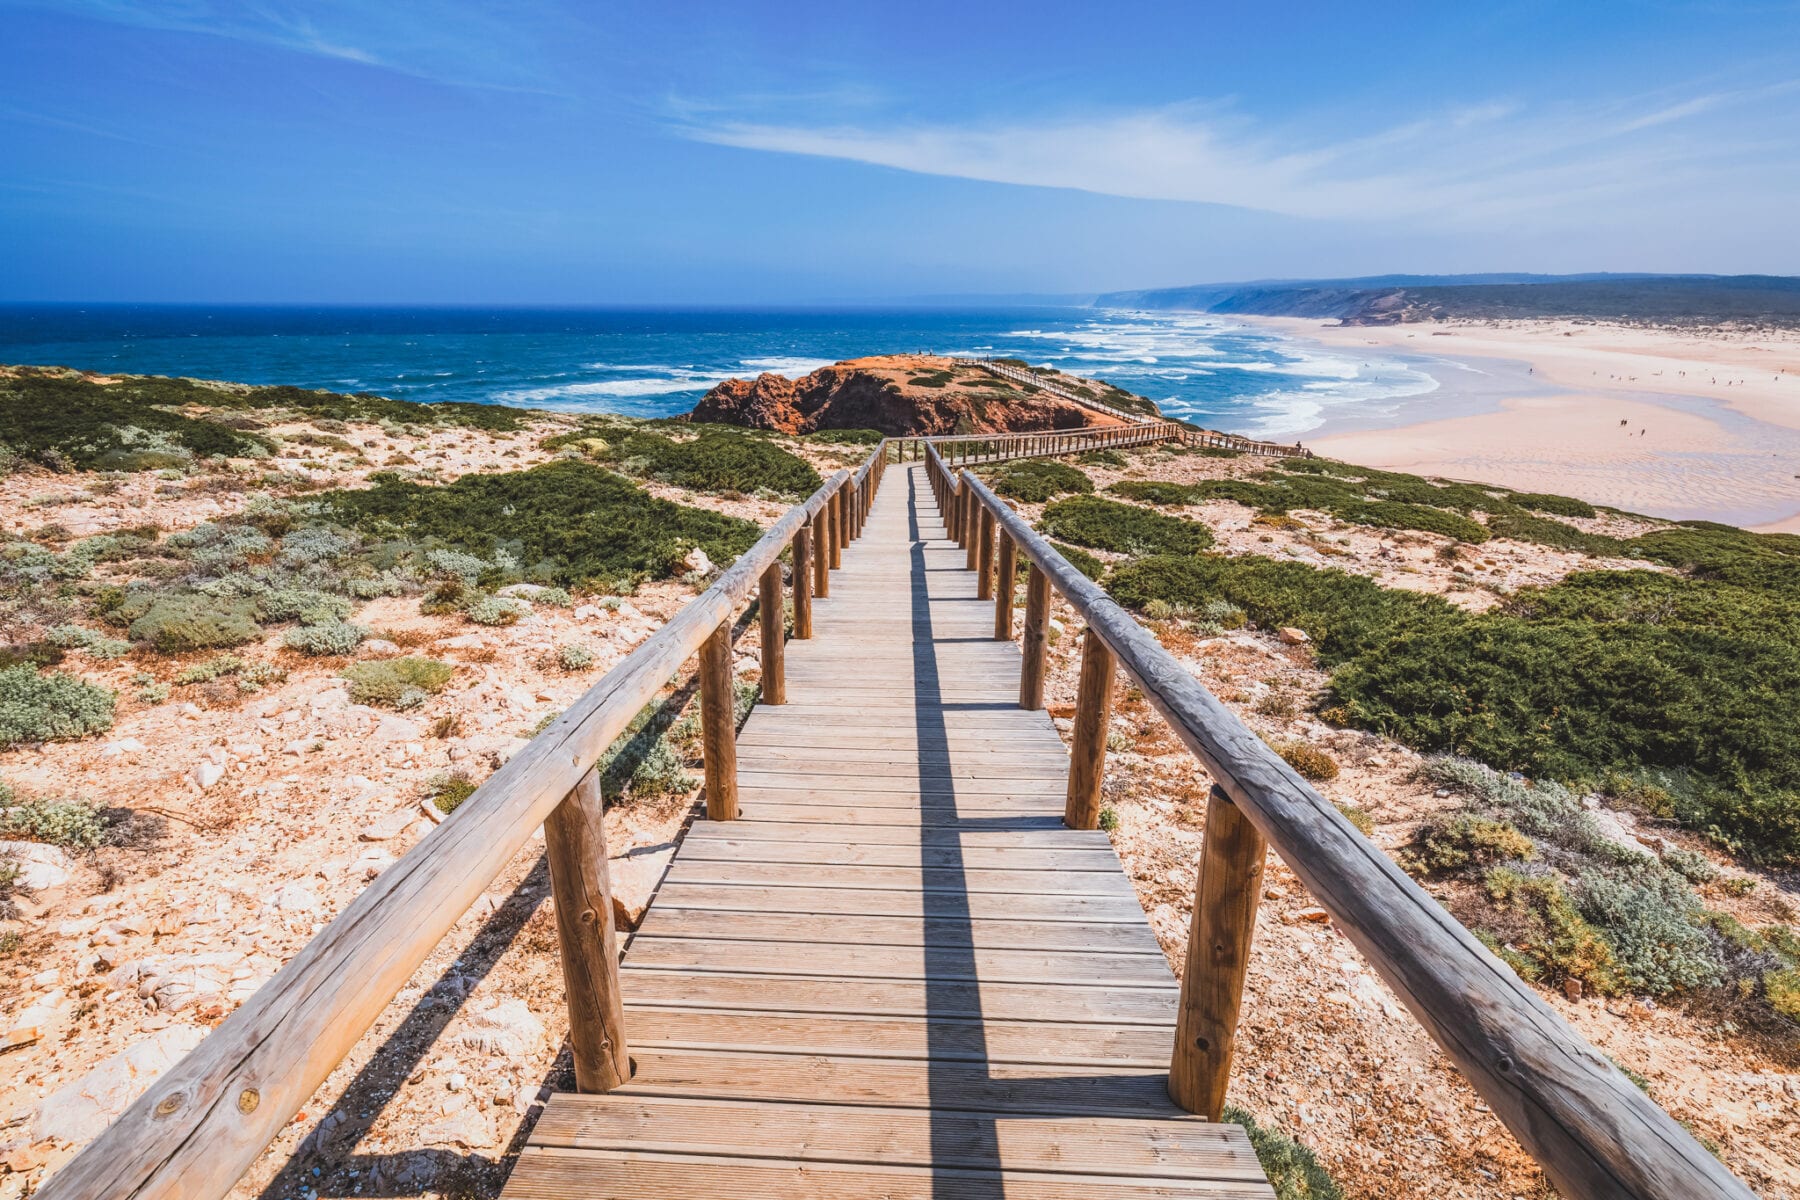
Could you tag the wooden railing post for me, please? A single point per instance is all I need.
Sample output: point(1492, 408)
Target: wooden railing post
point(718, 725)
point(984, 567)
point(1037, 639)
point(821, 541)
point(1005, 582)
point(971, 527)
point(1218, 957)
point(575, 848)
point(769, 617)
point(803, 578)
point(1093, 721)
point(839, 529)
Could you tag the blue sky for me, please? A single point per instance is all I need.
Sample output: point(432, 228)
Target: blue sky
point(518, 151)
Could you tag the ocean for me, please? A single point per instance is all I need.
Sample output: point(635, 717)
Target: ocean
point(1212, 370)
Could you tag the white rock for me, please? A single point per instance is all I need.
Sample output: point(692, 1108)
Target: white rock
point(297, 748)
point(696, 560)
point(78, 1112)
point(122, 746)
point(633, 878)
point(465, 641)
point(377, 648)
point(41, 867)
point(207, 773)
point(297, 898)
point(432, 812)
point(456, 1082)
point(587, 612)
point(509, 1029)
point(397, 729)
point(390, 826)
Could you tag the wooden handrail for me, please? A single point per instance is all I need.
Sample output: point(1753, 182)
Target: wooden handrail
point(201, 1125)
point(1590, 1129)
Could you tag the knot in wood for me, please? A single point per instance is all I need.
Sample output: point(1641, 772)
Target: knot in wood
point(248, 1099)
point(169, 1104)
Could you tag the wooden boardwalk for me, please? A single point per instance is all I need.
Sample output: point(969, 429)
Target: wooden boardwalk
point(897, 976)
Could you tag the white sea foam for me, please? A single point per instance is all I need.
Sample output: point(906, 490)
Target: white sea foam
point(791, 367)
point(569, 394)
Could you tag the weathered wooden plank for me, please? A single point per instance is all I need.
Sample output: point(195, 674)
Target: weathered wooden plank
point(1056, 838)
point(670, 922)
point(841, 853)
point(1166, 1149)
point(944, 1086)
point(962, 880)
point(938, 964)
point(1134, 1005)
point(848, 1035)
point(864, 902)
point(558, 1174)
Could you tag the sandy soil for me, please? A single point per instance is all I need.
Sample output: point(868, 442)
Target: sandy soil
point(1672, 423)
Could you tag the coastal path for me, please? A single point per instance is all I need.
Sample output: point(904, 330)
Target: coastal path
point(888, 965)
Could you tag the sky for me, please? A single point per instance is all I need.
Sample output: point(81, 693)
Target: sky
point(798, 151)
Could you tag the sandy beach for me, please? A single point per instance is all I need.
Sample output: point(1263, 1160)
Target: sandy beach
point(1671, 423)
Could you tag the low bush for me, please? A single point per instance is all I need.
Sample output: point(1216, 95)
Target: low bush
point(845, 437)
point(1294, 1171)
point(447, 790)
point(177, 622)
point(1467, 840)
point(71, 824)
point(718, 459)
point(70, 423)
point(1155, 491)
point(304, 605)
point(50, 708)
point(1078, 558)
point(574, 658)
point(1101, 458)
point(1562, 506)
point(329, 639)
point(496, 610)
point(567, 523)
point(400, 683)
point(1308, 760)
point(1036, 480)
point(1122, 528)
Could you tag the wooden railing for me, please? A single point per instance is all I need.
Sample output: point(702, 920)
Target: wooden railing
point(1191, 435)
point(993, 447)
point(1593, 1132)
point(200, 1126)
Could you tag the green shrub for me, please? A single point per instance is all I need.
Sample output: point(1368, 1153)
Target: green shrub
point(1101, 458)
point(447, 790)
point(566, 522)
point(1308, 760)
point(397, 682)
point(845, 437)
point(71, 423)
point(1155, 491)
point(1359, 818)
point(1122, 528)
point(72, 824)
point(574, 658)
point(176, 622)
point(1782, 990)
point(1555, 935)
point(1649, 920)
point(211, 669)
point(305, 606)
point(717, 459)
point(1562, 506)
point(1525, 527)
point(1035, 480)
point(643, 761)
point(496, 610)
point(1294, 1171)
point(50, 708)
point(329, 639)
point(1467, 840)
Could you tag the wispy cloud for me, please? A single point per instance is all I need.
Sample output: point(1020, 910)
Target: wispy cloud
point(1468, 165)
point(462, 43)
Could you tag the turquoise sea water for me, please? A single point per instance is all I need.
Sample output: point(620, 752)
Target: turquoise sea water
point(659, 362)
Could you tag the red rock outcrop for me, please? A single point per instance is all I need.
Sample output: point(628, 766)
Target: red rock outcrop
point(897, 394)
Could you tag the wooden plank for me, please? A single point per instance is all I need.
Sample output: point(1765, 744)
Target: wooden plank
point(558, 1174)
point(937, 964)
point(999, 906)
point(802, 832)
point(961, 880)
point(1100, 937)
point(1134, 1005)
point(903, 855)
point(1166, 1149)
point(1039, 816)
point(943, 1086)
point(946, 1039)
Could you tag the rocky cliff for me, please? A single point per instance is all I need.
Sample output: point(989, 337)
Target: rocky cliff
point(897, 394)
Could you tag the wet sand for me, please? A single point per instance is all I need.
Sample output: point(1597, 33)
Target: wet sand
point(1671, 424)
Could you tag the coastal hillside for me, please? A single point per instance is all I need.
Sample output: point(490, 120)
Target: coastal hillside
point(910, 394)
point(256, 643)
point(1738, 301)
